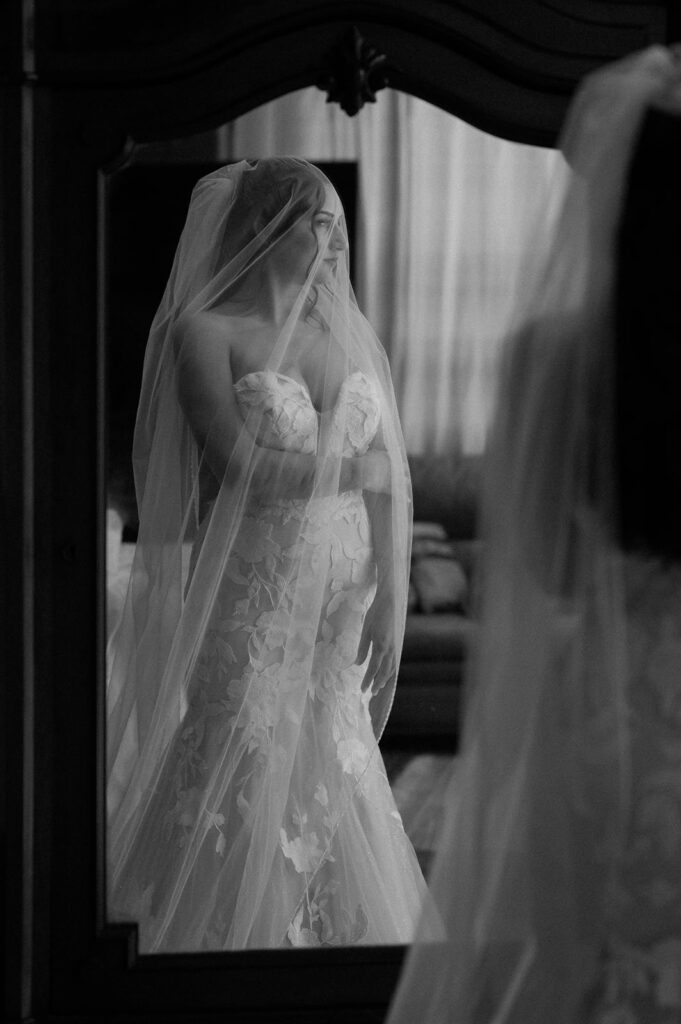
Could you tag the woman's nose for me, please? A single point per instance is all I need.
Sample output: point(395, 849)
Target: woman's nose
point(338, 238)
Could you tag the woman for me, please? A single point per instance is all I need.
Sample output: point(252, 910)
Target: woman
point(255, 663)
point(559, 872)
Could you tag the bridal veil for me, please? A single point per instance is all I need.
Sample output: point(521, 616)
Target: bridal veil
point(526, 875)
point(252, 780)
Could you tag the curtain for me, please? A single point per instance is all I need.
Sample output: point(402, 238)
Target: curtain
point(444, 217)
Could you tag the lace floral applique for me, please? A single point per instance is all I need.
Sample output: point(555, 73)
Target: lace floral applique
point(318, 923)
point(321, 918)
point(288, 415)
point(190, 770)
point(637, 982)
point(362, 415)
point(303, 851)
point(642, 973)
point(353, 756)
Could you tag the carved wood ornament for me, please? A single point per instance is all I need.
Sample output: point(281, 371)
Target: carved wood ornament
point(355, 72)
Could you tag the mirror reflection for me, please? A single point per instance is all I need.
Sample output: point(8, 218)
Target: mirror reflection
point(263, 448)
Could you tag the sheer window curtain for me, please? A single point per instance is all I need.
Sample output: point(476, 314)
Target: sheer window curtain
point(444, 216)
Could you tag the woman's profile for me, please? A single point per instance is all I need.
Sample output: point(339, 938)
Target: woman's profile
point(255, 661)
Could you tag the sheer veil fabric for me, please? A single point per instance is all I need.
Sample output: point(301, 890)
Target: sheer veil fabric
point(527, 874)
point(254, 665)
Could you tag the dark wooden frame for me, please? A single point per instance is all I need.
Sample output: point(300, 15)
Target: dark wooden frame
point(79, 84)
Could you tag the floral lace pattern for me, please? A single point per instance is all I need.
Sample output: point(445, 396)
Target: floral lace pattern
point(290, 420)
point(340, 868)
point(641, 970)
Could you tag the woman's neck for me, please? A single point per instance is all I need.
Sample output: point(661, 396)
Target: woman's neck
point(276, 299)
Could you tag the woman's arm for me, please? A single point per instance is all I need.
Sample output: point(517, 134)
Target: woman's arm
point(378, 501)
point(205, 392)
point(379, 623)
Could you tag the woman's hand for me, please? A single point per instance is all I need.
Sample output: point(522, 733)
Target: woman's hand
point(379, 632)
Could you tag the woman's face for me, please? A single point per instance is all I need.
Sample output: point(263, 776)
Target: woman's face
point(330, 237)
point(315, 234)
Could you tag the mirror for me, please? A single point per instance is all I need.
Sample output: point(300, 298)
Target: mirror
point(435, 213)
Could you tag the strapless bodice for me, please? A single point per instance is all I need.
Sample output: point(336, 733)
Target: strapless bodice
point(289, 421)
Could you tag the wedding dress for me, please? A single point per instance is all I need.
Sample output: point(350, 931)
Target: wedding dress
point(361, 879)
point(255, 661)
point(558, 873)
point(639, 973)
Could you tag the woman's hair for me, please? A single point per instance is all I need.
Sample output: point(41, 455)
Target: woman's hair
point(648, 343)
point(264, 192)
point(272, 195)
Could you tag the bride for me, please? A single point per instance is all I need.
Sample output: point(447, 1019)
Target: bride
point(254, 665)
point(558, 874)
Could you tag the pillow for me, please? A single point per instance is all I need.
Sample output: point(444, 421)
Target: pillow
point(432, 531)
point(422, 547)
point(440, 583)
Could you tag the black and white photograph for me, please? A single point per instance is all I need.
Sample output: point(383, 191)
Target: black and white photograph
point(340, 353)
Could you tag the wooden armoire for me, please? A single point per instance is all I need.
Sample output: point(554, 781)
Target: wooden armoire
point(82, 82)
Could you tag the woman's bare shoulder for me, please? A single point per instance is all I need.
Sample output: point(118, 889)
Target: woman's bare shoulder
point(204, 324)
point(217, 327)
point(205, 336)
